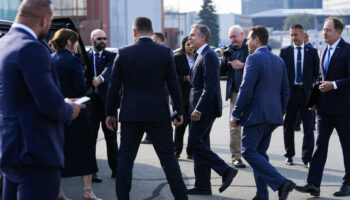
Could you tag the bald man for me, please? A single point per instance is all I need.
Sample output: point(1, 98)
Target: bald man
point(102, 62)
point(32, 109)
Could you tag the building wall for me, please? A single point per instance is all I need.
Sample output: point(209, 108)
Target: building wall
point(336, 4)
point(123, 13)
point(8, 9)
point(254, 6)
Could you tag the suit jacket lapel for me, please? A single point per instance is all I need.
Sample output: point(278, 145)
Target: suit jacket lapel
point(291, 52)
point(336, 53)
point(307, 57)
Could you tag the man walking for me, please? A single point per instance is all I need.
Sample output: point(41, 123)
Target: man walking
point(332, 106)
point(102, 63)
point(205, 106)
point(32, 109)
point(261, 103)
point(302, 68)
point(232, 66)
point(142, 69)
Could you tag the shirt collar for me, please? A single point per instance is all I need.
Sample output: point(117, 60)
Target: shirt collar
point(335, 44)
point(199, 51)
point(302, 46)
point(99, 53)
point(26, 28)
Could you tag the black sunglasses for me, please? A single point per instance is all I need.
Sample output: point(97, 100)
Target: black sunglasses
point(101, 38)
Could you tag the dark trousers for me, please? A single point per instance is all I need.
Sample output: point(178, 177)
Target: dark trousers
point(255, 142)
point(179, 137)
point(28, 183)
point(325, 126)
point(161, 136)
point(297, 104)
point(97, 117)
point(204, 158)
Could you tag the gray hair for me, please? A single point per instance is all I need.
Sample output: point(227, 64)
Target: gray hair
point(237, 28)
point(202, 30)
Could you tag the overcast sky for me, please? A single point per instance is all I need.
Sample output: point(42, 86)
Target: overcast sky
point(222, 6)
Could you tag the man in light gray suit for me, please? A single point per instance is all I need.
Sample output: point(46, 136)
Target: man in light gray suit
point(261, 102)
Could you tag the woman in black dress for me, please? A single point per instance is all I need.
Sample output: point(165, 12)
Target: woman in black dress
point(184, 62)
point(79, 151)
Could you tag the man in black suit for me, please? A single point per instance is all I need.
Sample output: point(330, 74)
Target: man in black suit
point(302, 67)
point(205, 106)
point(102, 62)
point(233, 66)
point(332, 106)
point(143, 68)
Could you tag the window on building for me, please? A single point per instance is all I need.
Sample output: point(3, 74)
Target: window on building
point(69, 7)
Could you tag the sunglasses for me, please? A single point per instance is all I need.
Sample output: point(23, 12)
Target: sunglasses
point(101, 38)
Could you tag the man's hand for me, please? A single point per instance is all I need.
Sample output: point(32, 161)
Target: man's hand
point(195, 116)
point(188, 78)
point(233, 122)
point(96, 81)
point(76, 107)
point(111, 123)
point(326, 86)
point(313, 108)
point(236, 64)
point(178, 123)
point(222, 49)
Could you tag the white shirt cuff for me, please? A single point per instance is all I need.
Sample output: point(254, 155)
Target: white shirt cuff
point(103, 80)
point(335, 85)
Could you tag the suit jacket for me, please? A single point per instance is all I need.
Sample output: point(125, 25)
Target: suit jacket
point(234, 76)
point(143, 68)
point(32, 108)
point(103, 69)
point(310, 67)
point(205, 94)
point(264, 93)
point(182, 70)
point(70, 73)
point(336, 101)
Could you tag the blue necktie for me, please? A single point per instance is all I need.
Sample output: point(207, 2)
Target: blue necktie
point(97, 61)
point(298, 79)
point(195, 57)
point(328, 59)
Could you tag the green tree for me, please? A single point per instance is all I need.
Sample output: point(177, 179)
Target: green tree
point(307, 20)
point(209, 18)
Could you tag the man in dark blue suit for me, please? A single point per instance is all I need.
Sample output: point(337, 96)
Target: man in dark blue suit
point(142, 69)
point(102, 63)
point(261, 103)
point(302, 68)
point(32, 110)
point(205, 106)
point(333, 106)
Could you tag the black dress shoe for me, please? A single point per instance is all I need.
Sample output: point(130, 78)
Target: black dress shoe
point(227, 179)
point(343, 191)
point(189, 157)
point(307, 164)
point(96, 178)
point(309, 188)
point(238, 163)
point(284, 189)
point(199, 191)
point(297, 127)
point(289, 161)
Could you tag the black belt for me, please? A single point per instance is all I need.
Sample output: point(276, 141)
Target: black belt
point(298, 86)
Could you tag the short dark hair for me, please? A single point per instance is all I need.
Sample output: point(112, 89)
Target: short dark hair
point(260, 32)
point(159, 36)
point(203, 30)
point(143, 25)
point(297, 26)
point(61, 37)
point(338, 23)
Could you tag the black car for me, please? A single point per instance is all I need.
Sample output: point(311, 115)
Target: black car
point(56, 25)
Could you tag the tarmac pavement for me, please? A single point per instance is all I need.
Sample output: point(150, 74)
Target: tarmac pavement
point(149, 181)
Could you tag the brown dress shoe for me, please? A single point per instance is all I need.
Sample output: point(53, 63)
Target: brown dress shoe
point(145, 141)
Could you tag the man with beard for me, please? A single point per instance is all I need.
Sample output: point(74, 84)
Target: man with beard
point(31, 121)
point(102, 62)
